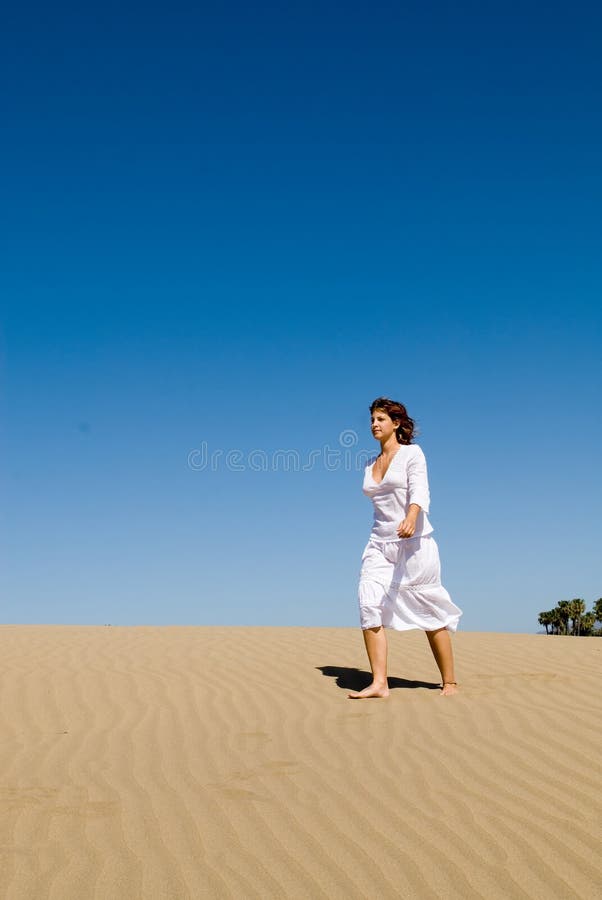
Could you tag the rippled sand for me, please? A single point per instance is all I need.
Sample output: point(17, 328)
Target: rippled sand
point(200, 762)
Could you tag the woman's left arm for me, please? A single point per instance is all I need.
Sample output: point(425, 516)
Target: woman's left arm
point(418, 492)
point(418, 483)
point(408, 526)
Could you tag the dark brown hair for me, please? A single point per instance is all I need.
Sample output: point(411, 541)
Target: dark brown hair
point(396, 411)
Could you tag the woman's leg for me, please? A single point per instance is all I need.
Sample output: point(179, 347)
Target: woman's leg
point(375, 640)
point(441, 646)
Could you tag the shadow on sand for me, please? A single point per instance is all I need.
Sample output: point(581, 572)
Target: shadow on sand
point(358, 679)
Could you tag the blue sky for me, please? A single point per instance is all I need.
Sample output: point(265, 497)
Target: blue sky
point(234, 226)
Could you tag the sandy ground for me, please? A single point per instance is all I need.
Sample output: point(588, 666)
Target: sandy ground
point(200, 762)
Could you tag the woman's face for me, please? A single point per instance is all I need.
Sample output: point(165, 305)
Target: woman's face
point(382, 425)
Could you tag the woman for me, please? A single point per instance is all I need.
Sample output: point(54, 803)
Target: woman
point(400, 578)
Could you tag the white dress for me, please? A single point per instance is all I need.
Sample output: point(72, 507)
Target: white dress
point(400, 578)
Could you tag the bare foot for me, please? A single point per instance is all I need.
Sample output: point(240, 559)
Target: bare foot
point(373, 690)
point(449, 687)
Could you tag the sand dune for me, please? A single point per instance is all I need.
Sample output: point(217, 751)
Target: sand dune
point(194, 762)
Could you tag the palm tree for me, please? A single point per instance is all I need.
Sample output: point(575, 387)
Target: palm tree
point(564, 614)
point(587, 623)
point(570, 607)
point(545, 619)
point(598, 610)
point(555, 620)
point(577, 608)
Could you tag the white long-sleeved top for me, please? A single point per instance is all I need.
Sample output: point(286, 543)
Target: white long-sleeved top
point(405, 482)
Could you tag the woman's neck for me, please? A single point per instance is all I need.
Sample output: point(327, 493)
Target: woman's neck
point(390, 447)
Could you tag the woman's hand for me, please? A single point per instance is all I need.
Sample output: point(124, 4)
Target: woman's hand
point(408, 526)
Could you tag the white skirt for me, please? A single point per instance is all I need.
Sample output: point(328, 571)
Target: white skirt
point(400, 586)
